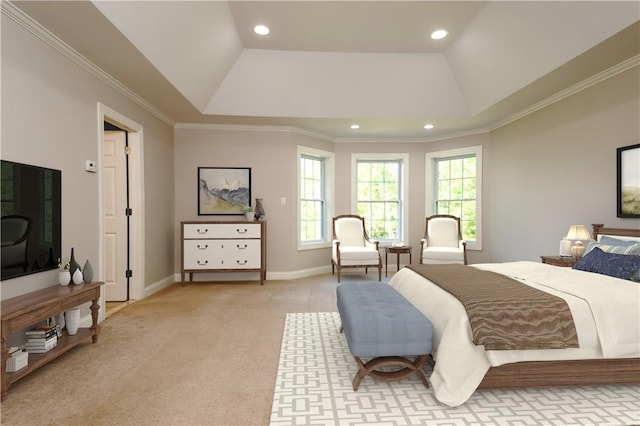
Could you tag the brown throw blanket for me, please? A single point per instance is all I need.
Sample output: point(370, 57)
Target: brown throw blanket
point(504, 313)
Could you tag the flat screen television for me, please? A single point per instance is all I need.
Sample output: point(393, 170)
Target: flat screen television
point(31, 207)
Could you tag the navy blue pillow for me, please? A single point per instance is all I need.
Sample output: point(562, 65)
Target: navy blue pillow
point(612, 264)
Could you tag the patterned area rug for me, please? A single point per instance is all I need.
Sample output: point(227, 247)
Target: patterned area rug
point(313, 387)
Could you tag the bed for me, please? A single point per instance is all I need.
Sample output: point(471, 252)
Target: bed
point(608, 328)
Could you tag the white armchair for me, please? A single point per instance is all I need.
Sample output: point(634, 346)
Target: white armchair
point(442, 242)
point(352, 247)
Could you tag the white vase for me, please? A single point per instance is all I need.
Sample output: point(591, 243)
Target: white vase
point(64, 277)
point(250, 216)
point(72, 320)
point(60, 320)
point(77, 277)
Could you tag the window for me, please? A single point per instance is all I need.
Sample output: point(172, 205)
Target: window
point(380, 185)
point(315, 177)
point(454, 185)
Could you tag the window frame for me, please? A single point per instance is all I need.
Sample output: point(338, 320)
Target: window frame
point(328, 159)
point(403, 158)
point(430, 185)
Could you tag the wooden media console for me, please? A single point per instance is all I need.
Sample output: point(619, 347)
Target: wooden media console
point(27, 310)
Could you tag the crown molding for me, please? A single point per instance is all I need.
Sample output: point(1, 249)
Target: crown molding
point(18, 16)
point(253, 128)
point(623, 66)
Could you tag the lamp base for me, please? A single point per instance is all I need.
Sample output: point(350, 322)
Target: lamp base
point(577, 250)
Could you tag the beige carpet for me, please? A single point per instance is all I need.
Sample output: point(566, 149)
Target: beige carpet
point(200, 354)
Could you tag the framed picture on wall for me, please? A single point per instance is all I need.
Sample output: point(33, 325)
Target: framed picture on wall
point(223, 190)
point(629, 181)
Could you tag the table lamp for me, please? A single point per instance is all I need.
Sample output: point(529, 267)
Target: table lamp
point(577, 233)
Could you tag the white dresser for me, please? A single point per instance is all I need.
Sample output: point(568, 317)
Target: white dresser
point(224, 247)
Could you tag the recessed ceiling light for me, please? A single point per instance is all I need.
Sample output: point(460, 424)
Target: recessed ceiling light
point(355, 126)
point(261, 29)
point(428, 126)
point(439, 34)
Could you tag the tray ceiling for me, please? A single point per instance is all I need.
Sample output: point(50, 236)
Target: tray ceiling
point(326, 64)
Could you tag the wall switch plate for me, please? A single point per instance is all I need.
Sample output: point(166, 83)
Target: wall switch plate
point(90, 166)
point(283, 201)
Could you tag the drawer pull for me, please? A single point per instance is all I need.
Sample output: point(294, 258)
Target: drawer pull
point(204, 247)
point(241, 263)
point(242, 247)
point(240, 231)
point(200, 231)
point(202, 263)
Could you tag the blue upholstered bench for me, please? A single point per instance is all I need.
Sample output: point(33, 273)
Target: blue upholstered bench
point(379, 323)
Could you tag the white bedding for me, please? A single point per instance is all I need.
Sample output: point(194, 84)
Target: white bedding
point(606, 312)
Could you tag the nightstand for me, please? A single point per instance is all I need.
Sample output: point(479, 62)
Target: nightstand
point(559, 261)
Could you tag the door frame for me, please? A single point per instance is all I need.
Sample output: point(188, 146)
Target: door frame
point(136, 198)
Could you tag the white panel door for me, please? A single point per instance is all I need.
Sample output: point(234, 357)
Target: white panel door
point(115, 220)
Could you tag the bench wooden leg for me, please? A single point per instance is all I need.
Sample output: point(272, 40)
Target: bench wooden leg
point(408, 368)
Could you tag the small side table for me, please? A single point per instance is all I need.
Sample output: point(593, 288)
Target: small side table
point(398, 251)
point(566, 262)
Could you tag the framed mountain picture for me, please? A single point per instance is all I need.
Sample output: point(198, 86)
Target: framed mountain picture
point(223, 190)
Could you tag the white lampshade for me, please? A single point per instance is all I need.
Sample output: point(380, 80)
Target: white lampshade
point(577, 233)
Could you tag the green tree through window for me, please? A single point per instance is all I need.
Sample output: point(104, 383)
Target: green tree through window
point(378, 199)
point(456, 189)
point(312, 199)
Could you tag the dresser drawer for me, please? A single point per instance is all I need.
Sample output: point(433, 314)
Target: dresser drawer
point(221, 230)
point(202, 254)
point(221, 254)
point(241, 254)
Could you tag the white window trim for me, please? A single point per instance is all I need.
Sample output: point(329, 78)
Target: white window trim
point(405, 186)
point(429, 209)
point(329, 172)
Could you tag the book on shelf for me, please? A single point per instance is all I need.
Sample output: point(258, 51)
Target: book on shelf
point(42, 346)
point(42, 332)
point(42, 337)
point(15, 351)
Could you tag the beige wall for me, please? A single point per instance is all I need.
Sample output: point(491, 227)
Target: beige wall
point(271, 155)
point(557, 167)
point(50, 118)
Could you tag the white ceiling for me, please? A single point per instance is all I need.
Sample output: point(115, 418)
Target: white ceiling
point(327, 64)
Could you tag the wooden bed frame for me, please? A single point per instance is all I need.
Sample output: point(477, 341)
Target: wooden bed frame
point(567, 373)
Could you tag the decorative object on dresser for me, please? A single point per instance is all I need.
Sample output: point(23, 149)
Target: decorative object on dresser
point(87, 272)
point(628, 184)
point(249, 213)
point(64, 276)
point(577, 234)
point(31, 309)
point(223, 190)
point(224, 247)
point(72, 320)
point(559, 260)
point(73, 265)
point(565, 248)
point(260, 214)
point(77, 277)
